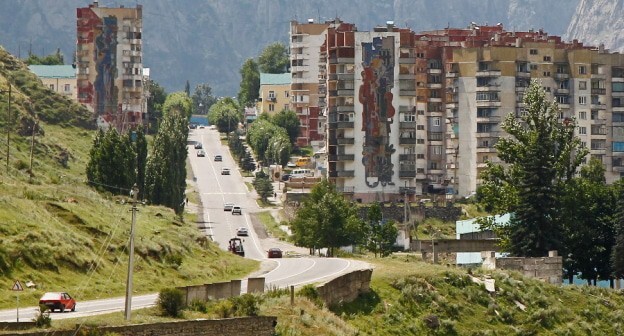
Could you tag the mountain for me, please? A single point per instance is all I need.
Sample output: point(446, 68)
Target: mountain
point(207, 41)
point(598, 21)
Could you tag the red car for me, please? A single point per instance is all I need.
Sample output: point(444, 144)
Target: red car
point(58, 300)
point(274, 252)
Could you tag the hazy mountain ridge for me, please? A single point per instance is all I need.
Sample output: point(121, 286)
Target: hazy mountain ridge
point(206, 41)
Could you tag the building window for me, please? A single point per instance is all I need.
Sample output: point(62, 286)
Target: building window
point(546, 73)
point(433, 165)
point(436, 121)
point(547, 59)
point(582, 130)
point(583, 115)
point(582, 70)
point(484, 128)
point(420, 55)
point(533, 51)
point(436, 150)
point(420, 170)
point(271, 95)
point(271, 107)
point(420, 127)
point(421, 112)
point(420, 156)
point(286, 94)
point(533, 66)
point(582, 100)
point(420, 141)
point(67, 87)
point(583, 85)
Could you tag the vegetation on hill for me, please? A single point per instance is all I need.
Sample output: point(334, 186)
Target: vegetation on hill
point(60, 234)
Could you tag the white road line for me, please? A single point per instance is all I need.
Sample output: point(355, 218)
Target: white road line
point(223, 193)
point(294, 275)
point(323, 277)
point(250, 229)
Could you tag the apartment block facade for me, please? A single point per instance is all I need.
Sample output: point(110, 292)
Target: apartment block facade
point(274, 93)
point(413, 113)
point(109, 65)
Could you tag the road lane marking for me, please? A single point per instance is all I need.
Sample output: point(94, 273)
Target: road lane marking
point(325, 276)
point(294, 275)
point(250, 229)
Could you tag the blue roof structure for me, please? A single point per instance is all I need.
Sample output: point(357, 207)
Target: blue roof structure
point(53, 71)
point(275, 79)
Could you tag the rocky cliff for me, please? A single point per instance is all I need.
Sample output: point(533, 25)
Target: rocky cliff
point(598, 21)
point(206, 41)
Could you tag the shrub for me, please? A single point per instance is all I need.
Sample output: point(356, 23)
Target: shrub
point(170, 301)
point(246, 305)
point(198, 305)
point(310, 292)
point(223, 308)
point(42, 317)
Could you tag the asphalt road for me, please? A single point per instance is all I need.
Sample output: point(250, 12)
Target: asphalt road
point(216, 189)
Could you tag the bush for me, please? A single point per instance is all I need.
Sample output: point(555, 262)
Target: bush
point(42, 317)
point(246, 305)
point(170, 301)
point(223, 309)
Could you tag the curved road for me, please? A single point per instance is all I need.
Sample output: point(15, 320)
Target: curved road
point(215, 190)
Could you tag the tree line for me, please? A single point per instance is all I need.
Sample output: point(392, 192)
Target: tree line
point(117, 161)
point(555, 202)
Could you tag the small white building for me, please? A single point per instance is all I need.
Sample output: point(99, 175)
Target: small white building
point(469, 227)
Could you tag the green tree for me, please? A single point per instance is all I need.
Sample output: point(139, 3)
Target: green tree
point(380, 235)
point(274, 59)
point(203, 99)
point(617, 253)
point(279, 148)
point(327, 220)
point(288, 120)
point(112, 162)
point(179, 102)
point(155, 101)
point(165, 178)
point(263, 186)
point(237, 148)
point(247, 162)
point(224, 114)
point(187, 88)
point(52, 59)
point(250, 83)
point(540, 157)
point(258, 136)
point(590, 206)
point(140, 148)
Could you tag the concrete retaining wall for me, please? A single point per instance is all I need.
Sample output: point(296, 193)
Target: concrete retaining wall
point(345, 288)
point(548, 269)
point(255, 285)
point(213, 291)
point(12, 326)
point(243, 326)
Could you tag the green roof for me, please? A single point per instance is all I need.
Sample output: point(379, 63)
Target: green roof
point(274, 79)
point(53, 71)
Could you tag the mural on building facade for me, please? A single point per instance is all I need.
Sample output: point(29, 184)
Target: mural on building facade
point(105, 55)
point(376, 98)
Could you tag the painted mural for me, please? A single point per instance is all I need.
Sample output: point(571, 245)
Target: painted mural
point(105, 55)
point(376, 98)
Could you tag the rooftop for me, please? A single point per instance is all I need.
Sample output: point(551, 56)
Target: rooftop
point(275, 79)
point(53, 71)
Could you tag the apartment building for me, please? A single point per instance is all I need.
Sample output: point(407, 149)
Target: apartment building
point(274, 93)
point(307, 89)
point(58, 78)
point(109, 65)
point(413, 113)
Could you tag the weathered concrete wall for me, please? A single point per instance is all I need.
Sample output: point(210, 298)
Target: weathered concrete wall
point(548, 269)
point(243, 326)
point(455, 245)
point(6, 326)
point(214, 291)
point(345, 288)
point(255, 285)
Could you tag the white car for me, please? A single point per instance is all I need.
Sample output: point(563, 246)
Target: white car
point(241, 231)
point(236, 210)
point(225, 171)
point(228, 206)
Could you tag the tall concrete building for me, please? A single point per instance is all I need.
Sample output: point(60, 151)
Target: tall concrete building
point(414, 113)
point(109, 64)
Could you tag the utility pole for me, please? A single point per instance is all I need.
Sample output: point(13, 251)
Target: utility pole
point(8, 130)
point(134, 193)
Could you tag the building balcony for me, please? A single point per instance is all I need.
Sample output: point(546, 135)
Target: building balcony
point(345, 108)
point(598, 106)
point(341, 173)
point(563, 106)
point(617, 79)
point(407, 173)
point(407, 141)
point(345, 189)
point(407, 92)
point(561, 76)
point(345, 141)
point(521, 88)
point(299, 68)
point(434, 100)
point(617, 93)
point(486, 103)
point(407, 157)
point(484, 149)
point(434, 85)
point(492, 134)
point(598, 76)
point(345, 76)
point(452, 75)
point(340, 124)
point(562, 91)
point(341, 60)
point(488, 88)
point(407, 76)
point(598, 91)
point(617, 108)
point(599, 121)
point(434, 71)
point(345, 93)
point(489, 119)
point(488, 73)
point(522, 74)
point(341, 157)
point(407, 124)
point(407, 60)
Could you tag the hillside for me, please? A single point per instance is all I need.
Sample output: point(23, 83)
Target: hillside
point(58, 233)
point(207, 41)
point(598, 21)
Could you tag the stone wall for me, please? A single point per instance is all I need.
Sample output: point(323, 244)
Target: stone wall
point(4, 326)
point(242, 326)
point(345, 288)
point(548, 269)
point(213, 291)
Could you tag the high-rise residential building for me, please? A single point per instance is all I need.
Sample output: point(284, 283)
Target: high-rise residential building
point(412, 113)
point(109, 64)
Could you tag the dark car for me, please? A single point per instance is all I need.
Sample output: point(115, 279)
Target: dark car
point(58, 300)
point(286, 177)
point(218, 158)
point(274, 252)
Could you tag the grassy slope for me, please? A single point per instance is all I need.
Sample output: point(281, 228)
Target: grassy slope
point(60, 234)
